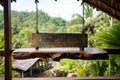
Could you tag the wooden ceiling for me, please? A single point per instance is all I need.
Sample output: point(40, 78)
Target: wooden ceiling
point(111, 7)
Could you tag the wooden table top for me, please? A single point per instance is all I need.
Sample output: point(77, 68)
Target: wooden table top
point(60, 50)
point(74, 53)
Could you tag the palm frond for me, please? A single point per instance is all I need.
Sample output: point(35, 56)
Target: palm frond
point(111, 37)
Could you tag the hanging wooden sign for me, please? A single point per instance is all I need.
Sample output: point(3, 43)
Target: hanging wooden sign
point(58, 40)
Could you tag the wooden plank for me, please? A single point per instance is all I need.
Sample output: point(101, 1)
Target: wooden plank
point(7, 33)
point(59, 50)
point(113, 50)
point(58, 40)
point(66, 78)
point(58, 53)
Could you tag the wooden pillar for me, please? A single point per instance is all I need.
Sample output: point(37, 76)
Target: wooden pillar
point(31, 71)
point(7, 33)
point(22, 74)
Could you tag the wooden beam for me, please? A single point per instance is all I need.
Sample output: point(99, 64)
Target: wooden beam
point(58, 53)
point(67, 78)
point(2, 52)
point(7, 33)
point(113, 51)
point(114, 4)
point(73, 53)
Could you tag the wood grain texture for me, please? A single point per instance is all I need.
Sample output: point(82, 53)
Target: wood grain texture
point(8, 39)
point(58, 53)
point(58, 40)
point(2, 52)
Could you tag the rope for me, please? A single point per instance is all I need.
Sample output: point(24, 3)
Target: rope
point(83, 31)
point(36, 2)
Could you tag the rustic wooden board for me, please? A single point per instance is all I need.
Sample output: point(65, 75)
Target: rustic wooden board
point(58, 40)
point(58, 53)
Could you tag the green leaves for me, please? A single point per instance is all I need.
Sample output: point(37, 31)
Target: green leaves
point(84, 67)
point(2, 72)
point(1, 40)
point(111, 37)
point(68, 65)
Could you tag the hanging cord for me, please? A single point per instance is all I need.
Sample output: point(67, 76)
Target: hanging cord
point(83, 26)
point(36, 2)
point(83, 30)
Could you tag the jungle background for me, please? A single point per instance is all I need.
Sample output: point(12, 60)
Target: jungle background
point(103, 31)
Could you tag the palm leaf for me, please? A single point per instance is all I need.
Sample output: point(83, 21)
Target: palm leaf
point(111, 37)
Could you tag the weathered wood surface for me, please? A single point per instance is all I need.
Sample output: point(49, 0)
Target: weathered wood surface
point(66, 78)
point(57, 53)
point(7, 39)
point(58, 40)
point(113, 50)
point(2, 52)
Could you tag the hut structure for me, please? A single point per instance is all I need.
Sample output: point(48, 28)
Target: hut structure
point(22, 66)
point(30, 67)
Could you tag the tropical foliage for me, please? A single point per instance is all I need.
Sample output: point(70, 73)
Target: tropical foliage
point(14, 73)
point(111, 39)
point(84, 67)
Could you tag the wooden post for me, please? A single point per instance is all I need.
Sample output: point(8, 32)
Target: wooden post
point(22, 74)
point(7, 33)
point(31, 71)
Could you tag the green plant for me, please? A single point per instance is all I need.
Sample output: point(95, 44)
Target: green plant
point(68, 65)
point(83, 71)
point(1, 39)
point(2, 70)
point(111, 39)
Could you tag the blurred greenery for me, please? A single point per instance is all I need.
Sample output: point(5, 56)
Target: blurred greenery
point(14, 73)
point(111, 39)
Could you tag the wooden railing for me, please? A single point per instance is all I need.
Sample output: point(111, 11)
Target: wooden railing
point(1, 52)
point(66, 78)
